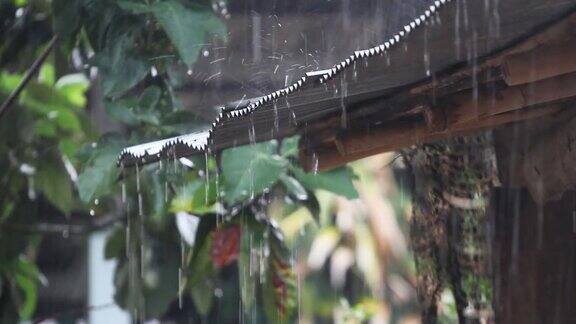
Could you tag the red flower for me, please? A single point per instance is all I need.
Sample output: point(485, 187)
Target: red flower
point(225, 245)
point(281, 293)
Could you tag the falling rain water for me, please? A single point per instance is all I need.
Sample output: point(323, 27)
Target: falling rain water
point(180, 272)
point(275, 130)
point(140, 220)
point(315, 163)
point(134, 249)
point(343, 95)
point(207, 175)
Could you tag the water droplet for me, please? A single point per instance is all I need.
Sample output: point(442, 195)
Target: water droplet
point(166, 191)
point(123, 192)
point(207, 185)
point(180, 288)
point(315, 163)
point(31, 188)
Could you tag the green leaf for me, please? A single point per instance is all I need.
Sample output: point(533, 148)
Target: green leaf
point(134, 111)
point(184, 198)
point(120, 69)
point(202, 296)
point(195, 197)
point(100, 171)
point(249, 170)
point(55, 183)
point(45, 128)
point(26, 277)
point(156, 200)
point(67, 16)
point(294, 222)
point(134, 7)
point(20, 3)
point(28, 288)
point(290, 146)
point(115, 244)
point(187, 27)
point(150, 97)
point(159, 282)
point(202, 274)
point(47, 102)
point(68, 147)
point(66, 120)
point(73, 87)
point(161, 279)
point(295, 189)
point(338, 181)
point(47, 74)
point(121, 111)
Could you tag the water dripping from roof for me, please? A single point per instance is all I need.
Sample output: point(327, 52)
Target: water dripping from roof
point(343, 95)
point(426, 53)
point(276, 126)
point(207, 180)
point(180, 272)
point(315, 163)
point(457, 40)
point(138, 189)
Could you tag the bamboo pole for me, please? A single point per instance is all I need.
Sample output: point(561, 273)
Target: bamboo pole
point(466, 111)
point(327, 156)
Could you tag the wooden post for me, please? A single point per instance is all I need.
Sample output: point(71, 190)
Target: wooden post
point(533, 240)
point(533, 257)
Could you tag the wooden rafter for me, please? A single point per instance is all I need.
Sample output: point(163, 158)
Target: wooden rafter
point(527, 81)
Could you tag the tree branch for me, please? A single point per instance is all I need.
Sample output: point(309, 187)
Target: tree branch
point(28, 76)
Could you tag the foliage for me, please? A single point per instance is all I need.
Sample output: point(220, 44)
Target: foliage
point(235, 225)
point(185, 227)
point(39, 139)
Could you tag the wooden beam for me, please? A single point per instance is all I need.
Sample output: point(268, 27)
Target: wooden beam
point(538, 71)
point(492, 102)
point(328, 156)
point(466, 111)
point(541, 63)
point(560, 33)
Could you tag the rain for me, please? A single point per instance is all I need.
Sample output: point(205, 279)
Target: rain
point(324, 161)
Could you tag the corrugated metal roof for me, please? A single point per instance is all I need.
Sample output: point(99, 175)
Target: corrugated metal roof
point(448, 33)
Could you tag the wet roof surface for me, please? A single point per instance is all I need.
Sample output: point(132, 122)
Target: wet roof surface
point(444, 35)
